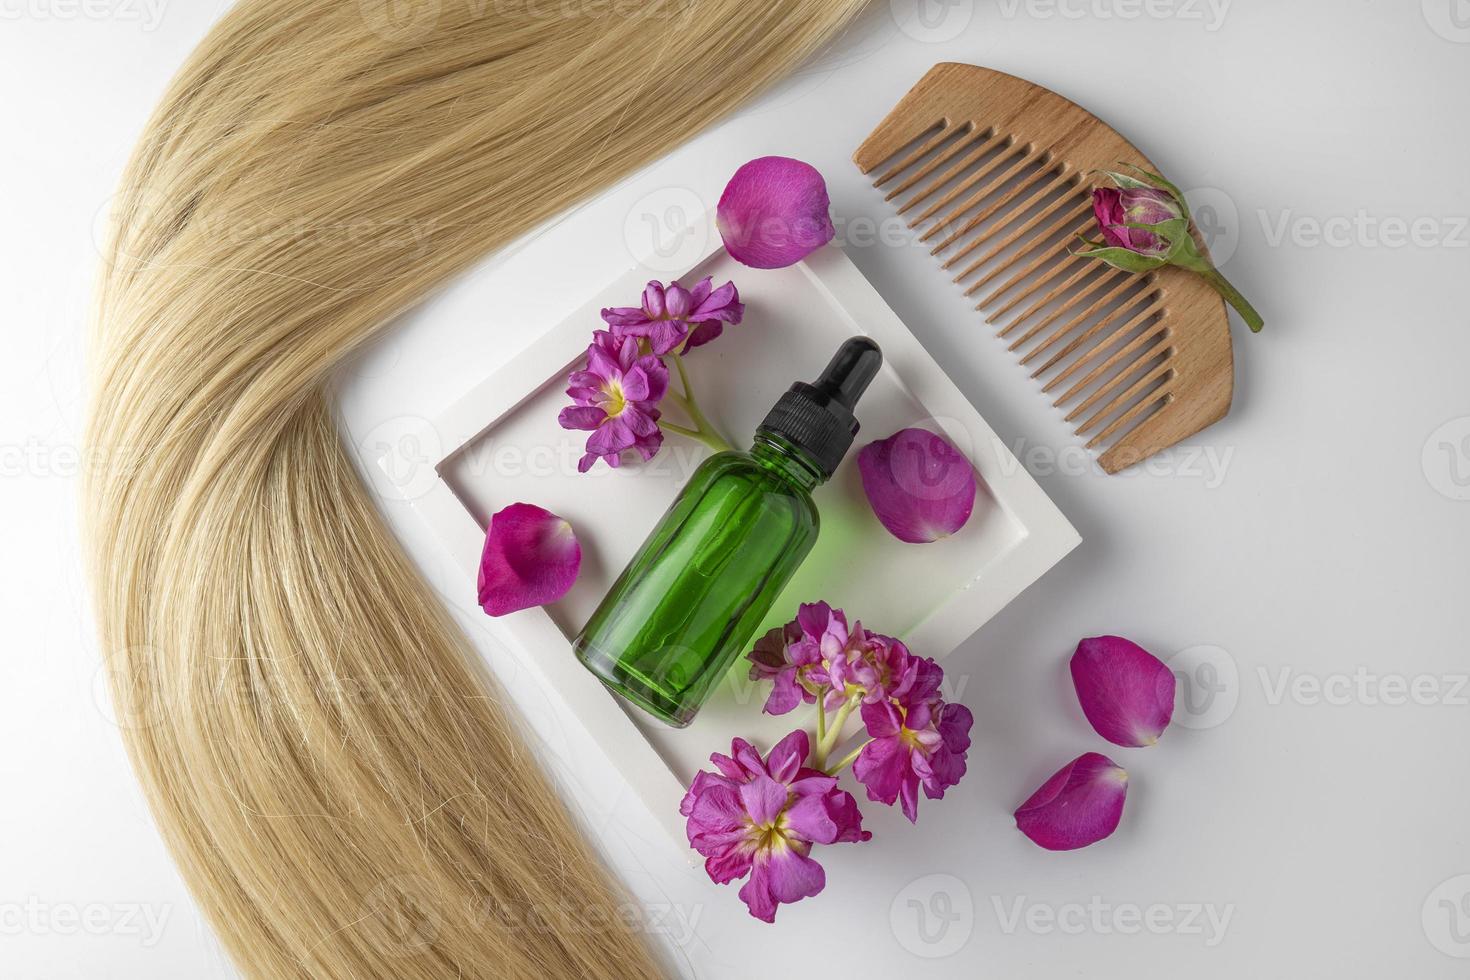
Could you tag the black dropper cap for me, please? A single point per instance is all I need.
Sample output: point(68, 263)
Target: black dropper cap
point(818, 418)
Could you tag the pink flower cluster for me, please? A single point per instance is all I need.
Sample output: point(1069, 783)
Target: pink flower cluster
point(673, 318)
point(911, 739)
point(760, 817)
point(617, 394)
point(914, 738)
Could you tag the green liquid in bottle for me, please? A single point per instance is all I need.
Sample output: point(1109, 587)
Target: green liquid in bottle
point(692, 597)
point(686, 605)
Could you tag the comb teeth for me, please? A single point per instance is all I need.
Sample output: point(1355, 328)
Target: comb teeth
point(1012, 214)
point(992, 173)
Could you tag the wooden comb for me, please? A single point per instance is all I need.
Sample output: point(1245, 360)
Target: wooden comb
point(998, 173)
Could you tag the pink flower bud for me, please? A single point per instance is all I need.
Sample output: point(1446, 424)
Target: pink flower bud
point(1117, 208)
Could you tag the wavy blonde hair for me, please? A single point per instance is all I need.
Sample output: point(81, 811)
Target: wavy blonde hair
point(344, 795)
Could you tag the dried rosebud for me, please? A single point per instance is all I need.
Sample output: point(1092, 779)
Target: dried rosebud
point(1145, 225)
point(1120, 212)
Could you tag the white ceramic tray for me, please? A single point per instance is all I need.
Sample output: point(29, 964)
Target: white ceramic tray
point(503, 444)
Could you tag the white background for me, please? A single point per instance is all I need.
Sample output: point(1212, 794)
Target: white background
point(1315, 541)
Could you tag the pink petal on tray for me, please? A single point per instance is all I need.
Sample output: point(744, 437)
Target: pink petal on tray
point(1080, 805)
point(920, 487)
point(531, 557)
point(774, 213)
point(1126, 692)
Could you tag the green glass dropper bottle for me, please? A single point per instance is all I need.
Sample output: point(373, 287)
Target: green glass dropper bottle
point(689, 601)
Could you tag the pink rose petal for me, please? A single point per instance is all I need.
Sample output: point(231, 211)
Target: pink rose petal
point(1126, 692)
point(531, 557)
point(920, 486)
point(774, 213)
point(1080, 805)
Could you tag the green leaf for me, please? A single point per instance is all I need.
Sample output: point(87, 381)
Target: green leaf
point(1156, 181)
point(1174, 231)
point(1127, 182)
point(1122, 258)
point(1185, 254)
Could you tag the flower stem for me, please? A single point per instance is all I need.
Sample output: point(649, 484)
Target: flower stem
point(704, 430)
point(1234, 298)
point(827, 741)
point(841, 718)
point(713, 441)
point(846, 760)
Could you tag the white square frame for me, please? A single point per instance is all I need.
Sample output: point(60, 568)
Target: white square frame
point(1046, 537)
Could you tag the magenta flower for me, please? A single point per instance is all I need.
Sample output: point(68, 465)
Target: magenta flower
point(818, 652)
point(774, 213)
point(877, 668)
point(760, 817)
point(1080, 805)
point(616, 397)
point(1126, 692)
point(922, 744)
point(1116, 209)
point(920, 486)
point(782, 658)
point(672, 317)
point(914, 738)
point(794, 657)
point(531, 557)
point(823, 627)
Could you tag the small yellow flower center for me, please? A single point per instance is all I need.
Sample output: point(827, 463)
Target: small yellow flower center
point(616, 400)
point(768, 836)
